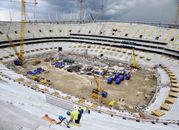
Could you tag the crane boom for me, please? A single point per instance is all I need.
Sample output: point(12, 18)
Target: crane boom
point(13, 46)
point(97, 82)
point(98, 92)
point(134, 56)
point(135, 65)
point(177, 14)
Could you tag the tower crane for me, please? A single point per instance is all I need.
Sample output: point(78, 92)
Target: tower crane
point(99, 12)
point(177, 14)
point(175, 23)
point(81, 11)
point(20, 55)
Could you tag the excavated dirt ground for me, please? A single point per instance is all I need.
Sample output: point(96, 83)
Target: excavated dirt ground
point(138, 90)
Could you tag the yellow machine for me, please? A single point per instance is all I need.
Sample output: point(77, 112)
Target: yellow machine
point(97, 83)
point(81, 11)
point(33, 77)
point(134, 65)
point(43, 81)
point(112, 103)
point(98, 92)
point(13, 46)
point(95, 93)
point(20, 55)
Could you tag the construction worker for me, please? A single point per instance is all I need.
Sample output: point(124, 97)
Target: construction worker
point(88, 109)
point(63, 121)
point(81, 110)
point(73, 116)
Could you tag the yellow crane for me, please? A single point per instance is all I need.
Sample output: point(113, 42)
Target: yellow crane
point(99, 12)
point(81, 11)
point(13, 46)
point(134, 64)
point(97, 93)
point(20, 55)
point(177, 14)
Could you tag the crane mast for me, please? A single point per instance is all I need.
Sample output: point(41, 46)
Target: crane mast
point(81, 11)
point(22, 32)
point(177, 14)
point(21, 53)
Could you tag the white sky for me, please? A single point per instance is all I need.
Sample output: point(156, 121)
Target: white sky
point(162, 11)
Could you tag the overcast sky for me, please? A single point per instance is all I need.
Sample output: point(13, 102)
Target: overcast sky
point(160, 11)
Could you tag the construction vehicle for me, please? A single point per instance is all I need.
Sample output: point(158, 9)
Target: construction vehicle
point(39, 79)
point(112, 103)
point(134, 64)
point(20, 55)
point(98, 92)
point(33, 77)
point(43, 81)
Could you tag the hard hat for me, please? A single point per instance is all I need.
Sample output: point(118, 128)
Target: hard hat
point(60, 117)
point(68, 113)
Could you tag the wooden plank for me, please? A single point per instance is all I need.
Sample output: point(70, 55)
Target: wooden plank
point(158, 113)
point(174, 89)
point(173, 94)
point(174, 81)
point(175, 85)
point(48, 119)
point(165, 106)
point(171, 74)
point(168, 71)
point(170, 100)
point(172, 77)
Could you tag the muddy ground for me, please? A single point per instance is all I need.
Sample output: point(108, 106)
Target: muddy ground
point(132, 92)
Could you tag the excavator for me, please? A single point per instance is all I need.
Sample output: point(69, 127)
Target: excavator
point(134, 64)
point(98, 92)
